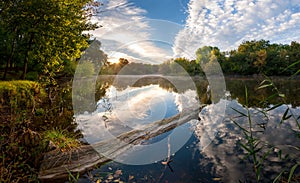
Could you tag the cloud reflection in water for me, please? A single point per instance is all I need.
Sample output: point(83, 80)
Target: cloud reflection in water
point(225, 152)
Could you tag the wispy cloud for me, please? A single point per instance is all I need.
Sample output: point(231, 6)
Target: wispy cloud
point(226, 23)
point(125, 29)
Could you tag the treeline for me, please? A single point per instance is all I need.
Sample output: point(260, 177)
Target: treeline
point(179, 66)
point(251, 57)
point(255, 57)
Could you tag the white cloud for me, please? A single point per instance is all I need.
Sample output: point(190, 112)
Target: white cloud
point(125, 28)
point(226, 23)
point(115, 55)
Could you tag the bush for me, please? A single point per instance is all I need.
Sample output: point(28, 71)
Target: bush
point(19, 95)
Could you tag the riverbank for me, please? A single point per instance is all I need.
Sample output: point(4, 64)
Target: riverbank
point(34, 120)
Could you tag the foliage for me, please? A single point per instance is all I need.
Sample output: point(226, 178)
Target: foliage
point(27, 110)
point(42, 36)
point(20, 144)
point(261, 57)
point(19, 95)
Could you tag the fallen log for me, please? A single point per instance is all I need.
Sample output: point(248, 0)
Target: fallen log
point(57, 165)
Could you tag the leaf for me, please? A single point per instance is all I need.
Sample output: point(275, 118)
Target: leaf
point(264, 81)
point(285, 113)
point(240, 126)
point(118, 172)
point(246, 95)
point(164, 162)
point(257, 150)
point(258, 173)
point(269, 98)
point(292, 65)
point(241, 113)
point(292, 172)
point(278, 176)
point(285, 117)
point(280, 153)
point(274, 107)
point(296, 73)
point(264, 86)
point(246, 148)
point(217, 179)
point(117, 180)
point(256, 144)
point(286, 156)
point(288, 117)
point(130, 177)
point(110, 177)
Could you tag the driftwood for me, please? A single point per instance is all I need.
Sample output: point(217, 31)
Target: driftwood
point(57, 165)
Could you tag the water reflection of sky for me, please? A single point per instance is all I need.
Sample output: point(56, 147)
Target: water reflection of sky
point(139, 106)
point(131, 108)
point(212, 154)
point(225, 152)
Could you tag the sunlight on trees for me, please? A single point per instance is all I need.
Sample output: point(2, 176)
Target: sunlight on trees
point(42, 35)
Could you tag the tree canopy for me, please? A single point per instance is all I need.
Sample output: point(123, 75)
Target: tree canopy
point(255, 57)
point(42, 35)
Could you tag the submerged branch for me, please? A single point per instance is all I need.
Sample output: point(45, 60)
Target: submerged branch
point(57, 165)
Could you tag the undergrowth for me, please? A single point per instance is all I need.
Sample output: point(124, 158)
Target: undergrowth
point(29, 113)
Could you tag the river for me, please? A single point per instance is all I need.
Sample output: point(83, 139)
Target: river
point(207, 149)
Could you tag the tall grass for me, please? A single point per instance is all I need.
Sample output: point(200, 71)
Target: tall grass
point(258, 150)
point(252, 145)
point(268, 83)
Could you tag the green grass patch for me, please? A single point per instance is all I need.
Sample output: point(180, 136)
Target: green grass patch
point(61, 139)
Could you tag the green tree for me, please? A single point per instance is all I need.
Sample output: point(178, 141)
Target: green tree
point(261, 58)
point(294, 57)
point(43, 34)
point(207, 57)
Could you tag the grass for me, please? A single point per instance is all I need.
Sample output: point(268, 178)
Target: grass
point(252, 144)
point(61, 139)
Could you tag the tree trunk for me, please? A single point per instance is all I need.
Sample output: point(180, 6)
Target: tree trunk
point(56, 165)
point(6, 69)
point(9, 61)
point(25, 65)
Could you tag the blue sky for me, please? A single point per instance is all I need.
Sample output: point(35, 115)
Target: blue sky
point(172, 10)
point(136, 29)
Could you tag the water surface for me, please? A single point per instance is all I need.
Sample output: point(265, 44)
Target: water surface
point(212, 152)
